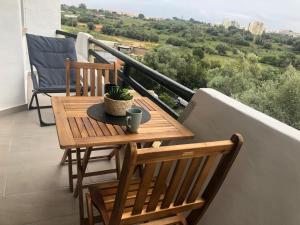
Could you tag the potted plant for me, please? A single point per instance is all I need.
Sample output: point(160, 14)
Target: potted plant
point(117, 100)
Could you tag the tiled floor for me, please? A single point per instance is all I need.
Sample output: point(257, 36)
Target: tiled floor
point(33, 187)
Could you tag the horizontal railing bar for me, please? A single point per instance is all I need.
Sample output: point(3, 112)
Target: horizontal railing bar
point(97, 56)
point(144, 92)
point(67, 34)
point(163, 80)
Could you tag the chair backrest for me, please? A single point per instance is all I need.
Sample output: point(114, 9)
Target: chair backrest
point(92, 77)
point(48, 56)
point(199, 172)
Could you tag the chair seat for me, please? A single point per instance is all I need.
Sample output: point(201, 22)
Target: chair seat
point(103, 196)
point(56, 89)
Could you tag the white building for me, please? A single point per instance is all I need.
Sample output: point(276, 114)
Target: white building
point(230, 23)
point(256, 27)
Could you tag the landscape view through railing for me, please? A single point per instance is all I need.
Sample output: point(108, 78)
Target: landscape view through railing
point(256, 67)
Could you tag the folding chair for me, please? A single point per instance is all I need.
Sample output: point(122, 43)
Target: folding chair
point(47, 55)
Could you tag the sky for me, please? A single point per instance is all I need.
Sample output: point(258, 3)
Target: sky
point(276, 14)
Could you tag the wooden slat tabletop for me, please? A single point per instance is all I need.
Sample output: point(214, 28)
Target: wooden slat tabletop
point(75, 129)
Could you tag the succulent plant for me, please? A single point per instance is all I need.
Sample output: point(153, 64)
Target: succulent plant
point(118, 93)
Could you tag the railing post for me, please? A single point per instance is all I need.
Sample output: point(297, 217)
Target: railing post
point(91, 46)
point(126, 71)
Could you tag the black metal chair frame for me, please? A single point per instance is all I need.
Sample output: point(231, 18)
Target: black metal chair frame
point(38, 107)
point(35, 93)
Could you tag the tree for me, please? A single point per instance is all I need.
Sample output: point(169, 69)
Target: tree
point(91, 26)
point(222, 49)
point(267, 45)
point(179, 65)
point(141, 16)
point(63, 20)
point(177, 41)
point(248, 36)
point(169, 100)
point(264, 88)
point(85, 18)
point(82, 6)
point(198, 52)
point(296, 46)
point(192, 20)
point(269, 59)
point(110, 30)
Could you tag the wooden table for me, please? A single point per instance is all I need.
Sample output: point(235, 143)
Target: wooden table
point(76, 130)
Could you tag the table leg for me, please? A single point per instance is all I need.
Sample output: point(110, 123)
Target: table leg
point(80, 176)
point(79, 185)
point(81, 167)
point(63, 159)
point(69, 154)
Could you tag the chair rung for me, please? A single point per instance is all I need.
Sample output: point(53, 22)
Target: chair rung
point(168, 221)
point(92, 158)
point(97, 149)
point(41, 107)
point(96, 173)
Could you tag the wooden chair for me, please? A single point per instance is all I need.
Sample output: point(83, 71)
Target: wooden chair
point(95, 76)
point(188, 179)
point(94, 71)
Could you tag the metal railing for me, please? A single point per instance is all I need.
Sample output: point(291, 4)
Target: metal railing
point(171, 85)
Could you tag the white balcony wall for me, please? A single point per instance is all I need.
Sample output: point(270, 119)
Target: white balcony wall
point(16, 18)
point(11, 55)
point(40, 18)
point(263, 186)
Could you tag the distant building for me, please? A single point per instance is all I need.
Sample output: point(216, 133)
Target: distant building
point(70, 16)
point(256, 27)
point(230, 23)
point(112, 44)
point(125, 49)
point(100, 16)
point(129, 14)
point(289, 33)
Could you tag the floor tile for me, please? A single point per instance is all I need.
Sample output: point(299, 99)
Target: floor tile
point(28, 208)
point(2, 185)
point(33, 186)
point(63, 220)
point(34, 143)
point(31, 179)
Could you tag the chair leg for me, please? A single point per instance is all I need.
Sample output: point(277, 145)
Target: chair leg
point(31, 101)
point(112, 154)
point(117, 154)
point(70, 169)
point(89, 209)
point(42, 123)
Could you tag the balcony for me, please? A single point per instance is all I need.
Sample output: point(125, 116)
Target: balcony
point(261, 188)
